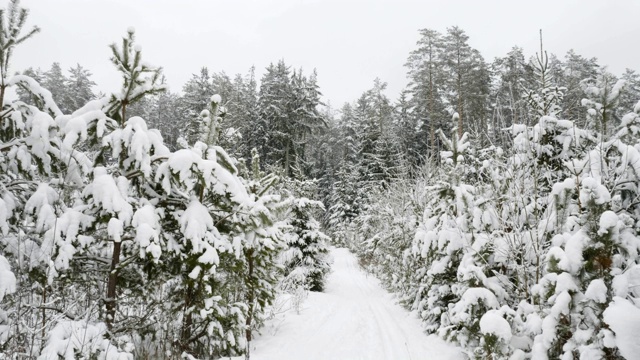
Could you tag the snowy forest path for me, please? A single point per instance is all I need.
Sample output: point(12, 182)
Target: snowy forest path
point(354, 318)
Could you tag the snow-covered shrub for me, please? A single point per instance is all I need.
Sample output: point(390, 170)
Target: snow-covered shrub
point(72, 340)
point(497, 334)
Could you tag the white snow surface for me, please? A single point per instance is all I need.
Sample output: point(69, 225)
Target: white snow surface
point(354, 318)
point(624, 319)
point(493, 323)
point(7, 279)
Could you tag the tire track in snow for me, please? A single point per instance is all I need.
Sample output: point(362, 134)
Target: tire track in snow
point(353, 319)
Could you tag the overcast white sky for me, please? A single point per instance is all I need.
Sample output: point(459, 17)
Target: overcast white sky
point(350, 42)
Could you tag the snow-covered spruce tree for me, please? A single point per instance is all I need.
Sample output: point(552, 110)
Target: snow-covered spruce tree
point(629, 98)
point(306, 260)
point(166, 116)
point(56, 82)
point(288, 116)
point(197, 94)
point(370, 160)
point(243, 113)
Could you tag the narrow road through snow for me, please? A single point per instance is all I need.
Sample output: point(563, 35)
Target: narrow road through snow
point(353, 319)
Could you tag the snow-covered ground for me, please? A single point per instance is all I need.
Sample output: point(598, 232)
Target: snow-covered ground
point(353, 319)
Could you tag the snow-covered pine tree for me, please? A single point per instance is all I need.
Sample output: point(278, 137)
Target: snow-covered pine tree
point(29, 152)
point(510, 108)
point(95, 216)
point(460, 282)
point(263, 241)
point(595, 248)
point(139, 80)
point(602, 99)
point(444, 232)
point(535, 164)
point(570, 73)
point(629, 98)
point(468, 82)
point(76, 187)
point(546, 98)
point(484, 317)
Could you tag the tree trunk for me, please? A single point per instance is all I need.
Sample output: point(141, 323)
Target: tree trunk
point(2, 90)
point(460, 102)
point(432, 132)
point(286, 160)
point(111, 285)
point(187, 322)
point(460, 115)
point(115, 260)
point(250, 301)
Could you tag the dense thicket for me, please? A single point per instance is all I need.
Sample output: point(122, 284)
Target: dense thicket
point(518, 239)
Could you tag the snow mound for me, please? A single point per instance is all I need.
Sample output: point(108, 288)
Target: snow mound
point(492, 323)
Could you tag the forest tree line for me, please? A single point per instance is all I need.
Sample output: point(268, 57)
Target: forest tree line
point(283, 117)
